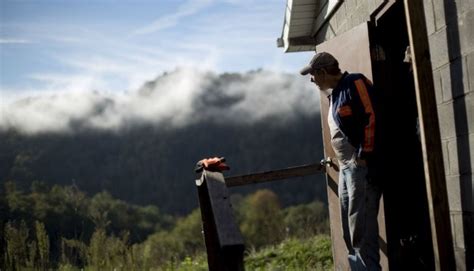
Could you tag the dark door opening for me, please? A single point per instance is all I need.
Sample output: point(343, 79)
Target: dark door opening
point(409, 243)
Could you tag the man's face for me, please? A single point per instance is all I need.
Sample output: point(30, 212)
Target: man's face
point(319, 78)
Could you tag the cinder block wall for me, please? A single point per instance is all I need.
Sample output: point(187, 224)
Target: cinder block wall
point(350, 14)
point(450, 26)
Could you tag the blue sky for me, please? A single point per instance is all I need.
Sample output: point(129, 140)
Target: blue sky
point(112, 45)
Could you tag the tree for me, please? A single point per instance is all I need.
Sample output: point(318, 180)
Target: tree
point(306, 220)
point(43, 245)
point(17, 254)
point(262, 220)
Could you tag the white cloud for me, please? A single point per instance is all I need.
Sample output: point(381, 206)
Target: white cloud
point(190, 7)
point(179, 98)
point(67, 83)
point(14, 41)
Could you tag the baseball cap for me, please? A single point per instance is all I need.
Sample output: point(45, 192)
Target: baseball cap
point(319, 60)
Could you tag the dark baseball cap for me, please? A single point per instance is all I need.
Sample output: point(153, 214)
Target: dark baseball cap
point(319, 60)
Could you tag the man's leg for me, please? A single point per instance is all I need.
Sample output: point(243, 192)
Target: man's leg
point(371, 246)
point(344, 206)
point(354, 259)
point(357, 212)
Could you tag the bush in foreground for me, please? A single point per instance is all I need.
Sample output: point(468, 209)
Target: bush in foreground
point(291, 254)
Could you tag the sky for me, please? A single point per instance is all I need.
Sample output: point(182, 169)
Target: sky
point(112, 45)
point(70, 62)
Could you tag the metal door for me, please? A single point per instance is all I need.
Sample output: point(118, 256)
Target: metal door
point(352, 50)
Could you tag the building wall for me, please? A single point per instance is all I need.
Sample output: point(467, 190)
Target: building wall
point(351, 13)
point(450, 27)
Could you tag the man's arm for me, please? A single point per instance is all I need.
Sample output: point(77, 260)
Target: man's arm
point(362, 87)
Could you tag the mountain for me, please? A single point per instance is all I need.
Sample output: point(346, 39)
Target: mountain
point(142, 146)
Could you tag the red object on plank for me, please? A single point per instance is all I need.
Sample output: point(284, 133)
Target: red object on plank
point(212, 164)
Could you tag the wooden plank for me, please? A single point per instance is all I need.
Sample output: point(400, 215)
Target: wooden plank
point(299, 30)
point(301, 8)
point(302, 41)
point(303, 14)
point(224, 242)
point(273, 175)
point(308, 21)
point(304, 2)
point(300, 48)
point(430, 137)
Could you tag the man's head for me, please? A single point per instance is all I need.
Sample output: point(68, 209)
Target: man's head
point(324, 70)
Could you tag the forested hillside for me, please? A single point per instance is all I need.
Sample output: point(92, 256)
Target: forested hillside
point(102, 180)
point(258, 121)
point(62, 228)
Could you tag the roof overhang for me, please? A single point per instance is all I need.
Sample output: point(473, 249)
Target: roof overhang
point(303, 20)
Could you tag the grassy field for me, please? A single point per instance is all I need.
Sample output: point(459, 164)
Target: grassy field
point(291, 254)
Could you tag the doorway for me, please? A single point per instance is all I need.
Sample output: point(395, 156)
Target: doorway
point(354, 58)
point(409, 243)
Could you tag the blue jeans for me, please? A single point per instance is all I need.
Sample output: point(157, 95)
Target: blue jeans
point(359, 200)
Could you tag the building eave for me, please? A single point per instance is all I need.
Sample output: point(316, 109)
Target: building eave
point(302, 22)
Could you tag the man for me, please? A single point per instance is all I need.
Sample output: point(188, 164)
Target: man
point(351, 120)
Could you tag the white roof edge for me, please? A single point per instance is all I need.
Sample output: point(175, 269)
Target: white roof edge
point(298, 10)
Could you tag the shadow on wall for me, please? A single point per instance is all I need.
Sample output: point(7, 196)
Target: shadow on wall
point(461, 124)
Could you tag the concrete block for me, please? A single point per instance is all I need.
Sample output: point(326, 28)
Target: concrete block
point(446, 88)
point(464, 6)
point(454, 79)
point(444, 11)
point(458, 115)
point(361, 15)
point(469, 101)
point(326, 33)
point(451, 220)
point(446, 121)
point(470, 70)
point(350, 5)
point(429, 16)
point(453, 185)
point(439, 48)
point(459, 156)
point(334, 22)
point(438, 86)
point(371, 6)
point(471, 150)
point(467, 191)
point(454, 40)
point(469, 230)
point(458, 229)
point(343, 12)
point(439, 16)
point(335, 19)
point(444, 146)
point(344, 27)
point(466, 32)
point(339, 17)
point(460, 259)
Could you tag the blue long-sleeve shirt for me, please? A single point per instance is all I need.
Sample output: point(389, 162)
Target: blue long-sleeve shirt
point(353, 112)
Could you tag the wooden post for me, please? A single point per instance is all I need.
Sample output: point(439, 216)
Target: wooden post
point(224, 242)
point(274, 175)
point(430, 137)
